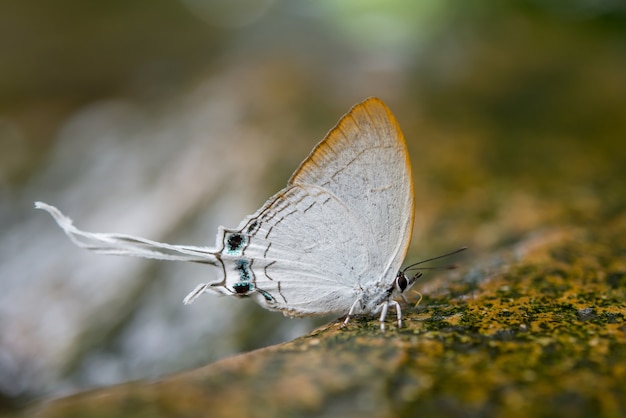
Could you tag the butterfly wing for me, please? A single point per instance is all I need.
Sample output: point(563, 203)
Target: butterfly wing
point(344, 220)
point(364, 161)
point(301, 253)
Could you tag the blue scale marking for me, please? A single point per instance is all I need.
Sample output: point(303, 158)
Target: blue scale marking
point(235, 243)
point(243, 286)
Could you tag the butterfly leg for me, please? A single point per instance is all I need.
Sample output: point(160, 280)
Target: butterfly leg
point(193, 295)
point(350, 312)
point(383, 314)
point(398, 312)
point(385, 308)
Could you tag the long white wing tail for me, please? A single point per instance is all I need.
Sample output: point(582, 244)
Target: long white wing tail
point(122, 244)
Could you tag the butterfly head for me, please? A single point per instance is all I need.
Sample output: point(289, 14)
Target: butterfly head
point(404, 282)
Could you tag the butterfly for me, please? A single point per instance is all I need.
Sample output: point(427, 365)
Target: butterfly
point(331, 242)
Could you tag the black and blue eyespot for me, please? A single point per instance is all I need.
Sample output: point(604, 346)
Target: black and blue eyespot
point(244, 285)
point(235, 243)
point(243, 288)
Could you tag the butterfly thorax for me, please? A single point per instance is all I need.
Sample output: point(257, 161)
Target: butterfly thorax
point(381, 292)
point(374, 295)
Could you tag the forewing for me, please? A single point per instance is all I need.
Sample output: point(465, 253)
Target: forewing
point(364, 162)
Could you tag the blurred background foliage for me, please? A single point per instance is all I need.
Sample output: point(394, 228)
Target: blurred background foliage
point(515, 115)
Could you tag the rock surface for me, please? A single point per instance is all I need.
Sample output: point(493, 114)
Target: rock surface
point(541, 331)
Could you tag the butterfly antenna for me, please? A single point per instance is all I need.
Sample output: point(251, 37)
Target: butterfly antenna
point(434, 258)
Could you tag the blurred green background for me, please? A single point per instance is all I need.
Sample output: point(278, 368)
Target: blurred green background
point(514, 112)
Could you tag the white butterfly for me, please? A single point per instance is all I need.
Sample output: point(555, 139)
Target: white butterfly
point(331, 242)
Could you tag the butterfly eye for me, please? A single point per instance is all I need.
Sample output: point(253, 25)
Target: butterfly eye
point(401, 282)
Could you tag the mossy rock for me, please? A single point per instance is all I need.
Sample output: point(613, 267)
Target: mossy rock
point(541, 331)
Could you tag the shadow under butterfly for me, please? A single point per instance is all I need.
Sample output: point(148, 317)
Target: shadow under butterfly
point(331, 242)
